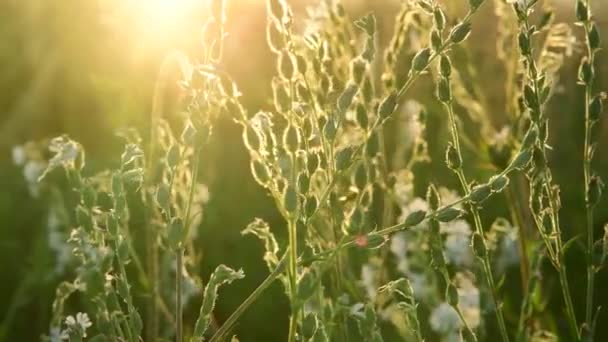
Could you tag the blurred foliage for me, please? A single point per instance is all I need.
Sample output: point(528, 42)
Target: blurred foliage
point(87, 68)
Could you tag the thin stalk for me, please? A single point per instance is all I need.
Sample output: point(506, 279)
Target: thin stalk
point(178, 295)
point(587, 179)
point(292, 273)
point(478, 225)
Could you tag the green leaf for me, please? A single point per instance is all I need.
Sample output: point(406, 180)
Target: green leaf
point(222, 275)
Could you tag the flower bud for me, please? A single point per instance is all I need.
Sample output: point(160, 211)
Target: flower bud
point(432, 197)
point(414, 218)
point(594, 37)
point(444, 92)
point(388, 105)
point(452, 295)
point(460, 32)
point(582, 12)
point(445, 66)
point(448, 214)
point(479, 246)
point(439, 18)
point(421, 60)
point(480, 193)
point(594, 192)
point(452, 158)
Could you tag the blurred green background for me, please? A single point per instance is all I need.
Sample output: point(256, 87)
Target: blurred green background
point(87, 68)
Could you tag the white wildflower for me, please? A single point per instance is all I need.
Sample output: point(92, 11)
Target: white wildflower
point(19, 155)
point(444, 319)
point(457, 243)
point(58, 335)
point(78, 325)
point(31, 172)
point(369, 274)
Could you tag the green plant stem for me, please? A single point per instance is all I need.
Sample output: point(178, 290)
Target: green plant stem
point(587, 179)
point(487, 266)
point(292, 273)
point(178, 295)
point(223, 330)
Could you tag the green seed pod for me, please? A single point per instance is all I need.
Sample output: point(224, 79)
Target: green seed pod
point(425, 5)
point(479, 246)
point(444, 92)
point(311, 206)
point(445, 66)
point(89, 196)
point(173, 156)
point(480, 193)
point(460, 32)
point(286, 65)
point(290, 199)
point(360, 176)
point(414, 218)
point(282, 101)
point(452, 158)
point(521, 160)
point(368, 90)
point(260, 172)
point(439, 18)
point(594, 37)
point(176, 233)
point(451, 295)
point(596, 108)
point(375, 241)
point(362, 118)
point(530, 97)
point(530, 137)
point(357, 69)
point(303, 183)
point(344, 158)
point(585, 72)
point(291, 138)
point(524, 43)
point(448, 214)
point(163, 197)
point(438, 259)
point(346, 98)
point(388, 105)
point(474, 4)
point(582, 12)
point(330, 130)
point(595, 191)
point(83, 218)
point(421, 60)
point(432, 197)
point(302, 64)
point(436, 41)
point(499, 183)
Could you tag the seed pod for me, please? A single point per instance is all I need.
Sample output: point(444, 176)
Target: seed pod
point(172, 156)
point(344, 158)
point(291, 138)
point(448, 214)
point(460, 32)
point(594, 37)
point(421, 60)
point(414, 218)
point(360, 176)
point(445, 66)
point(330, 130)
point(175, 233)
point(163, 197)
point(521, 160)
point(582, 12)
point(524, 43)
point(474, 4)
point(303, 183)
point(480, 193)
point(530, 97)
point(260, 172)
point(499, 183)
point(89, 196)
point(346, 98)
point(311, 205)
point(451, 295)
point(444, 92)
point(286, 65)
point(282, 101)
point(438, 259)
point(290, 199)
point(388, 105)
point(357, 69)
point(530, 137)
point(302, 64)
point(436, 41)
point(479, 246)
point(439, 18)
point(368, 90)
point(362, 118)
point(595, 191)
point(432, 197)
point(585, 72)
point(452, 158)
point(596, 108)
